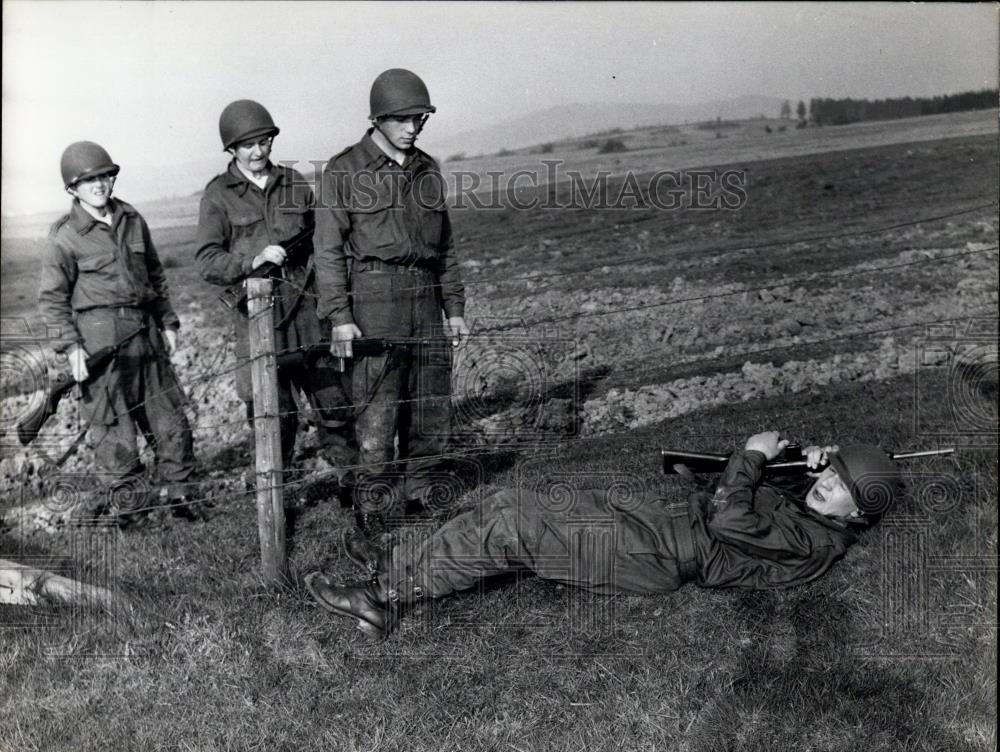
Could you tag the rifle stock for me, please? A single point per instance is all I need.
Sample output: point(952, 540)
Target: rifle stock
point(29, 426)
point(789, 462)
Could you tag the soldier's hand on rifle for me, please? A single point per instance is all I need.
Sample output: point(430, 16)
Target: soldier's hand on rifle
point(340, 340)
point(767, 443)
point(816, 456)
point(170, 340)
point(78, 363)
point(458, 330)
point(273, 254)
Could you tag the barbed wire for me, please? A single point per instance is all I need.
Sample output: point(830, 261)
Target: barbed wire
point(460, 406)
point(672, 257)
point(556, 442)
point(212, 377)
point(678, 301)
point(315, 478)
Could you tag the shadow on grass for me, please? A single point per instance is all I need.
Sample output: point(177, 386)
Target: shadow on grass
point(801, 656)
point(231, 457)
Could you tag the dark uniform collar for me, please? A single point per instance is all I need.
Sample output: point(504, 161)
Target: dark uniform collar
point(375, 157)
point(83, 221)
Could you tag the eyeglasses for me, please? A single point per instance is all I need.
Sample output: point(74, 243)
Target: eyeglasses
point(263, 143)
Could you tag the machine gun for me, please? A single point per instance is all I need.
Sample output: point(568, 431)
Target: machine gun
point(791, 461)
point(29, 426)
point(235, 296)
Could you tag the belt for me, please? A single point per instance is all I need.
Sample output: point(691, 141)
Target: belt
point(122, 312)
point(686, 553)
point(377, 265)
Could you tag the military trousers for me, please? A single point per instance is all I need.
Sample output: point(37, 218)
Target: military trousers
point(586, 539)
point(402, 394)
point(324, 386)
point(137, 392)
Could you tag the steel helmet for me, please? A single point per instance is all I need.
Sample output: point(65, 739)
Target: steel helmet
point(870, 474)
point(398, 91)
point(244, 119)
point(85, 159)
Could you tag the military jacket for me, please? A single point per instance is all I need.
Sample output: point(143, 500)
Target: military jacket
point(89, 264)
point(370, 207)
point(758, 535)
point(236, 221)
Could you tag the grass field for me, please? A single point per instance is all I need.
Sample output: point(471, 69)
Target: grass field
point(894, 650)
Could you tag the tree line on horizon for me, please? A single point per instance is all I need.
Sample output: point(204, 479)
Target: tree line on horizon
point(823, 111)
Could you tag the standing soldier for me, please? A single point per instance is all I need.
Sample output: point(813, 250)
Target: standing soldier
point(387, 270)
point(102, 285)
point(254, 214)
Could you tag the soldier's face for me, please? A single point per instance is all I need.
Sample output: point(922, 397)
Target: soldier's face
point(830, 496)
point(94, 191)
point(254, 154)
point(402, 130)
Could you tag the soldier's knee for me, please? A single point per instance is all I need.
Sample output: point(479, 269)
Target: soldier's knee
point(498, 502)
point(371, 444)
point(117, 457)
point(504, 513)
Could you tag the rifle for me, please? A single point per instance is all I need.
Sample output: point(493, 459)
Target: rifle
point(29, 426)
point(235, 295)
point(791, 460)
point(307, 355)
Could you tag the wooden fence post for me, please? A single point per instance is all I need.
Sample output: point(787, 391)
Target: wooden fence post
point(267, 432)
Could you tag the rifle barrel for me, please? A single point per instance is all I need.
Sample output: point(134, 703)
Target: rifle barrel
point(707, 456)
point(710, 462)
point(924, 453)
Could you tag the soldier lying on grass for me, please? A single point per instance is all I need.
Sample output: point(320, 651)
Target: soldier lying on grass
point(750, 534)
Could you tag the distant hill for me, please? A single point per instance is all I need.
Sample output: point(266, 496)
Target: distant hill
point(574, 120)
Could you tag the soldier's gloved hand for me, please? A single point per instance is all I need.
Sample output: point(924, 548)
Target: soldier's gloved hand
point(341, 338)
point(273, 254)
point(767, 443)
point(816, 456)
point(458, 330)
point(78, 363)
point(170, 340)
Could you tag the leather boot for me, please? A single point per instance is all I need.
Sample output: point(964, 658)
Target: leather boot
point(367, 541)
point(369, 603)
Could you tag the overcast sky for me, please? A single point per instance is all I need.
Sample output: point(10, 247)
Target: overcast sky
point(148, 80)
